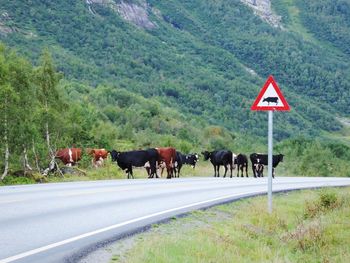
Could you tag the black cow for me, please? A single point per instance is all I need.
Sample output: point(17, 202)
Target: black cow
point(217, 158)
point(271, 99)
point(259, 160)
point(242, 162)
point(127, 160)
point(181, 159)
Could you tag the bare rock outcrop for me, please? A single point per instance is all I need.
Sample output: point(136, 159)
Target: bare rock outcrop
point(4, 27)
point(136, 13)
point(262, 8)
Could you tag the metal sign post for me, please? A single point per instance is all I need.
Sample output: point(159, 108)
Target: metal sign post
point(269, 167)
point(270, 99)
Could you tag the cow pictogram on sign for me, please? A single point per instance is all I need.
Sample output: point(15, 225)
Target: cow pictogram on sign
point(270, 98)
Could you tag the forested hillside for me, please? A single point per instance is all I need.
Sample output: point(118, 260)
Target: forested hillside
point(137, 73)
point(207, 58)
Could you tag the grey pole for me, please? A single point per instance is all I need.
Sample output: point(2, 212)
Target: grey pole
point(270, 149)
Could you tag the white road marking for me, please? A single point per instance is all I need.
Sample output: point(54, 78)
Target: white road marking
point(69, 240)
point(322, 183)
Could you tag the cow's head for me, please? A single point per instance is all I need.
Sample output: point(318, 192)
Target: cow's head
point(114, 155)
point(206, 155)
point(192, 159)
point(280, 157)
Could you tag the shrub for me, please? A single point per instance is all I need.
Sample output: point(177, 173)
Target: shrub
point(12, 180)
point(327, 200)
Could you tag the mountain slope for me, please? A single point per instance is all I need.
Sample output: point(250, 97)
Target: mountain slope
point(203, 58)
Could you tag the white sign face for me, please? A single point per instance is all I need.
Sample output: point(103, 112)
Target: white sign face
point(270, 98)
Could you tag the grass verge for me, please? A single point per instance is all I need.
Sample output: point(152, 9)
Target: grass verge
point(306, 226)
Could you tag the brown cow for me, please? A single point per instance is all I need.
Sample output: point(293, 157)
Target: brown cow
point(98, 156)
point(168, 156)
point(69, 156)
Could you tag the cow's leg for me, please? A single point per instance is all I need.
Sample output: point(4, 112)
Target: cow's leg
point(214, 170)
point(218, 170)
point(273, 172)
point(261, 170)
point(178, 170)
point(149, 173)
point(241, 168)
point(168, 170)
point(246, 170)
point(225, 165)
point(238, 166)
point(231, 168)
point(154, 170)
point(254, 169)
point(130, 172)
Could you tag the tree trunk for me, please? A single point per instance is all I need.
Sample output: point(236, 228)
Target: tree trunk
point(26, 164)
point(51, 153)
point(36, 158)
point(47, 128)
point(7, 151)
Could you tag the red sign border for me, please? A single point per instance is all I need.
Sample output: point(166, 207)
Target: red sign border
point(270, 80)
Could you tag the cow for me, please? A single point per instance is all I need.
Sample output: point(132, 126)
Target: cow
point(259, 160)
point(241, 161)
point(69, 156)
point(271, 99)
point(138, 158)
point(168, 156)
point(181, 159)
point(98, 156)
point(217, 158)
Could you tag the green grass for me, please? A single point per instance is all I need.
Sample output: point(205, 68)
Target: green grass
point(307, 226)
point(111, 171)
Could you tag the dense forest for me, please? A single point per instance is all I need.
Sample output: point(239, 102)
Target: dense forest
point(80, 74)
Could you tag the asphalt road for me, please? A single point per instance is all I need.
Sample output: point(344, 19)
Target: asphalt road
point(65, 221)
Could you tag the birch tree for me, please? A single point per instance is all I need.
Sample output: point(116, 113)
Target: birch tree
point(20, 77)
point(47, 80)
point(7, 102)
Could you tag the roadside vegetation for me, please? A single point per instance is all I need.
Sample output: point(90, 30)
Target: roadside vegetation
point(305, 226)
point(74, 79)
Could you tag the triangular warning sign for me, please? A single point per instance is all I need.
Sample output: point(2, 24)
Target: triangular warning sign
point(270, 98)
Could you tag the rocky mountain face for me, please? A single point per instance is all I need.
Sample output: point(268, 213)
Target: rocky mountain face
point(4, 21)
point(136, 13)
point(262, 8)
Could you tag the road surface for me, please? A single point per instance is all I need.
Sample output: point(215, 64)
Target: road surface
point(63, 222)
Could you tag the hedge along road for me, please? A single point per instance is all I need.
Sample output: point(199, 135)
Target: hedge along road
point(63, 222)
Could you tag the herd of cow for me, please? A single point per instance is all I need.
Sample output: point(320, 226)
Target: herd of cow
point(167, 158)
